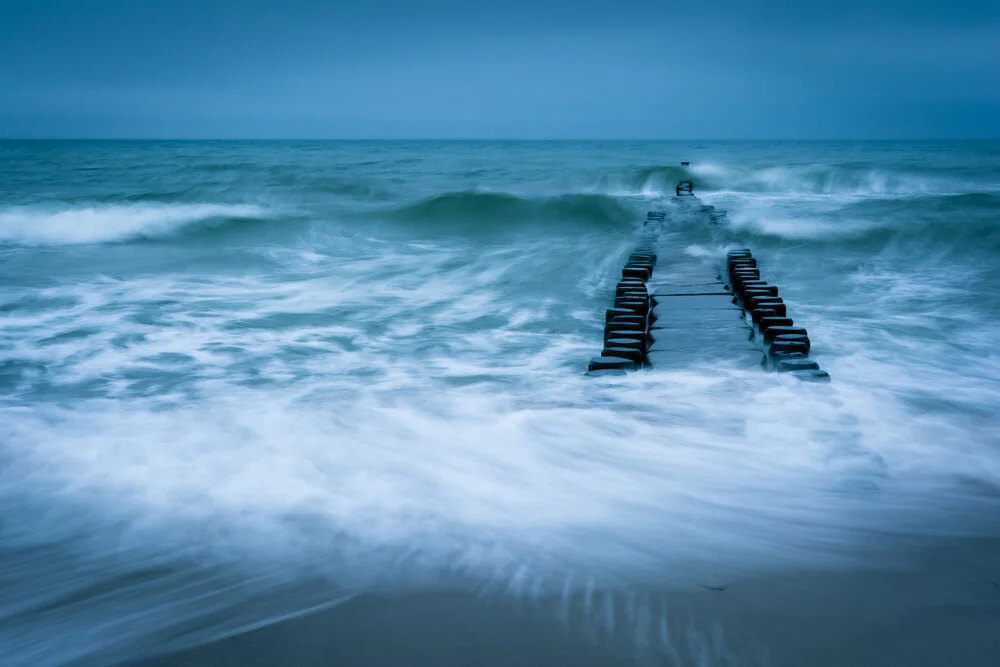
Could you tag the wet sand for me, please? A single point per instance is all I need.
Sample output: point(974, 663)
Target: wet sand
point(941, 608)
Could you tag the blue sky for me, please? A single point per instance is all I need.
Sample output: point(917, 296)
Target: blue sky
point(535, 70)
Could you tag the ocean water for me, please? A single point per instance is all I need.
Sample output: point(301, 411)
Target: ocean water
point(319, 394)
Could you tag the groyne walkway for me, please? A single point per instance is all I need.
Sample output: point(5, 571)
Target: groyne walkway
point(671, 307)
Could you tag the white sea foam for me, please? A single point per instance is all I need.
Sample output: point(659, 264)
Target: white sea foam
point(400, 414)
point(468, 448)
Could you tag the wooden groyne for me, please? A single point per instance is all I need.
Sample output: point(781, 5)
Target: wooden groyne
point(671, 308)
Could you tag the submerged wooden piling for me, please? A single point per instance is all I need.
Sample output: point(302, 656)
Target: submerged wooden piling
point(689, 310)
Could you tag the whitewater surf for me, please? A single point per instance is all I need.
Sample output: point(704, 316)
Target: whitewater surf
point(281, 401)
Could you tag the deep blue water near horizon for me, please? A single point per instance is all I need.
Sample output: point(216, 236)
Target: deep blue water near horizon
point(327, 392)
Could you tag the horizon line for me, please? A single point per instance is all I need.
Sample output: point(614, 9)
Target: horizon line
point(489, 139)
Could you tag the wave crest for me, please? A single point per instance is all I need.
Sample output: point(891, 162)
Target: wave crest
point(647, 181)
point(476, 210)
point(821, 179)
point(112, 223)
point(809, 179)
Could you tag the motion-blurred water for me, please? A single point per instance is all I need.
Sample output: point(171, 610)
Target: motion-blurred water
point(244, 381)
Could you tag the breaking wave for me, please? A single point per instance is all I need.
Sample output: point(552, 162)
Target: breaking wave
point(113, 223)
point(479, 210)
point(804, 179)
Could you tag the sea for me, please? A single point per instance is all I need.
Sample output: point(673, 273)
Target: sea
point(325, 403)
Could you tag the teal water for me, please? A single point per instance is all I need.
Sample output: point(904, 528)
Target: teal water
point(240, 381)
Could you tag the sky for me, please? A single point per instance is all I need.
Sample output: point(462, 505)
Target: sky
point(440, 69)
